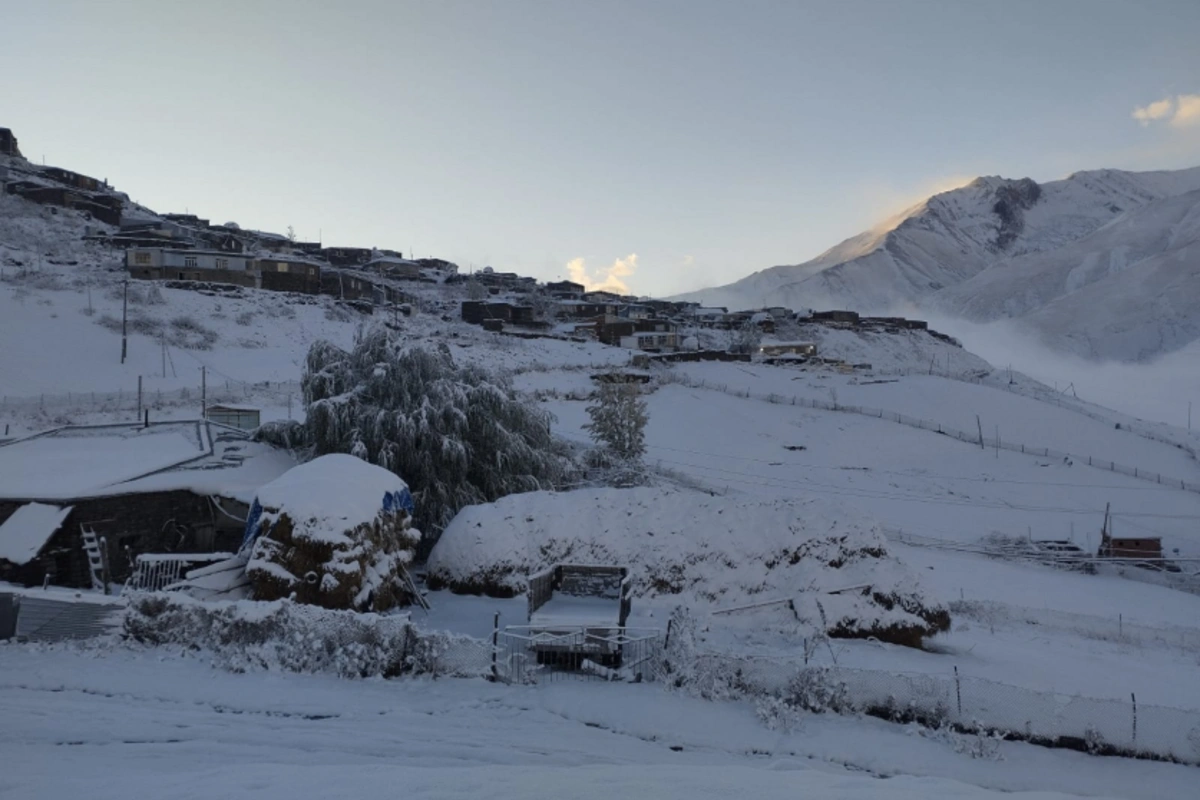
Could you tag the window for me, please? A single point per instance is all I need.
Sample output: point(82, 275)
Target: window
point(282, 267)
point(141, 258)
point(222, 263)
point(189, 261)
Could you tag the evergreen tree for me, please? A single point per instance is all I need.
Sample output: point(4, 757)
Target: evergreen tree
point(618, 420)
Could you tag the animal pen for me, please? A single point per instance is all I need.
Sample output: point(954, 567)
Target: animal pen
point(577, 627)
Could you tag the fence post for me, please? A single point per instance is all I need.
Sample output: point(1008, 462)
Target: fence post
point(1133, 699)
point(495, 645)
point(958, 692)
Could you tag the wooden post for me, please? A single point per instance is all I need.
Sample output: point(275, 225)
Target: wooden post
point(495, 645)
point(1133, 699)
point(979, 423)
point(124, 321)
point(958, 691)
point(104, 573)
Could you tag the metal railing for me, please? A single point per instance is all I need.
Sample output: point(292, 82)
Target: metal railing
point(522, 654)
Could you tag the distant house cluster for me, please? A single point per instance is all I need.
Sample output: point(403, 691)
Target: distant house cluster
point(182, 247)
point(187, 247)
point(57, 187)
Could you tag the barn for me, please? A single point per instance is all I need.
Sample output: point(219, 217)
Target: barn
point(78, 504)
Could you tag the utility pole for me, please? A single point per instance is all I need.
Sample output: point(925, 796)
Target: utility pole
point(980, 424)
point(124, 321)
point(139, 406)
point(203, 392)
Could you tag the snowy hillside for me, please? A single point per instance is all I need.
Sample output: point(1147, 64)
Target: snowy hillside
point(767, 483)
point(1130, 290)
point(942, 244)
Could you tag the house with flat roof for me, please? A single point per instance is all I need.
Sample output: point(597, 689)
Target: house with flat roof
point(78, 504)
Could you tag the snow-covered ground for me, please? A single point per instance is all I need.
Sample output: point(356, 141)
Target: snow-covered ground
point(170, 726)
point(114, 723)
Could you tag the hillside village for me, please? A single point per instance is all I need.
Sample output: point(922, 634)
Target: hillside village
point(841, 527)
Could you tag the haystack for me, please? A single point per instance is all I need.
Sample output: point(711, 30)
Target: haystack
point(335, 532)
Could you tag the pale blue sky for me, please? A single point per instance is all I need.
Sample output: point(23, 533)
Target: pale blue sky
point(711, 139)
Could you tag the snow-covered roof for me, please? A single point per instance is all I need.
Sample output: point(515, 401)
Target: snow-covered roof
point(25, 533)
point(392, 260)
point(103, 460)
point(331, 494)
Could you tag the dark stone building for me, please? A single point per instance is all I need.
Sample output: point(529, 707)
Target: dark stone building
point(175, 487)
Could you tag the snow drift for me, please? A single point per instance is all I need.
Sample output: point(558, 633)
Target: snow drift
point(708, 551)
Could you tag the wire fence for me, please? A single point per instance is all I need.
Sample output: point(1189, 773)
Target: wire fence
point(964, 704)
point(1076, 405)
point(978, 439)
point(131, 401)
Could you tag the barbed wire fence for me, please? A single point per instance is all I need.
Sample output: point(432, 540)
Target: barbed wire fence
point(978, 438)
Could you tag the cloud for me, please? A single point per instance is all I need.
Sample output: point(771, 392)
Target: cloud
point(1187, 111)
point(1159, 109)
point(605, 279)
point(1180, 111)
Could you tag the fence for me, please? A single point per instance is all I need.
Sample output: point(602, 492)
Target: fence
point(1178, 573)
point(155, 571)
point(528, 655)
point(127, 400)
point(1137, 427)
point(976, 439)
point(965, 704)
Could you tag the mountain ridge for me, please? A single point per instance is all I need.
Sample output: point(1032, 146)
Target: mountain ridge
point(920, 257)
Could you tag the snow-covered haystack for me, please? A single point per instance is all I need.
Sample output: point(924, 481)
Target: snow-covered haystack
point(709, 551)
point(335, 532)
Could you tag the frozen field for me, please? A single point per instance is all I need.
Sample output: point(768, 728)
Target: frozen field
point(120, 723)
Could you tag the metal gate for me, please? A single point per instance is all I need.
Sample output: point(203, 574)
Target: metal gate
point(528, 655)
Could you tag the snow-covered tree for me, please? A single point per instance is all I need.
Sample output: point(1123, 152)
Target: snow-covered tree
point(618, 420)
point(456, 434)
point(746, 339)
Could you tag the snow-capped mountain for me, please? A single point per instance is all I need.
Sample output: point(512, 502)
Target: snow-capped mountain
point(1001, 248)
point(1129, 290)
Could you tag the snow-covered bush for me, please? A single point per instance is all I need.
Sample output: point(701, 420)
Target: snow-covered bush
point(246, 636)
point(710, 551)
point(457, 434)
point(335, 532)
